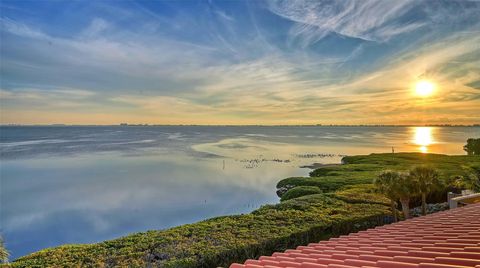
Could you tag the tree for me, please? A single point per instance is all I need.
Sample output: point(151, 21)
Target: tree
point(3, 252)
point(407, 188)
point(472, 147)
point(426, 179)
point(385, 184)
point(471, 182)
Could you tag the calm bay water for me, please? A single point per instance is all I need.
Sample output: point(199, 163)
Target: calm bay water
point(87, 184)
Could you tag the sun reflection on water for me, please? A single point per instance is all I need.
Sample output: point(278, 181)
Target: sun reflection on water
point(423, 138)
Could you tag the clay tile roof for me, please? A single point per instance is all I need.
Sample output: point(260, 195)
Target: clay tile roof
point(447, 239)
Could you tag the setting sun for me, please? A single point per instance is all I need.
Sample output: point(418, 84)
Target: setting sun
point(424, 88)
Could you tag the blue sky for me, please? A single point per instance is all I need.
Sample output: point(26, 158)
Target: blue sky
point(239, 62)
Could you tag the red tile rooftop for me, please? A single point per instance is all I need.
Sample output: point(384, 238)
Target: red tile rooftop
point(447, 239)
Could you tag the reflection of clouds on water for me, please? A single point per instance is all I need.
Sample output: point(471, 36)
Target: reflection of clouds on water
point(82, 199)
point(234, 147)
point(31, 142)
point(252, 153)
point(175, 136)
point(237, 146)
point(256, 135)
point(34, 142)
point(126, 143)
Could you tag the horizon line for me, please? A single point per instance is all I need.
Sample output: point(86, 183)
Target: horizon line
point(243, 125)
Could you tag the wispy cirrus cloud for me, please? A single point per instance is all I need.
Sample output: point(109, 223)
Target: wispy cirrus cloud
point(372, 20)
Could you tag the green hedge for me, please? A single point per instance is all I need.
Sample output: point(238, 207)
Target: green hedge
point(361, 193)
point(300, 191)
point(222, 240)
point(326, 184)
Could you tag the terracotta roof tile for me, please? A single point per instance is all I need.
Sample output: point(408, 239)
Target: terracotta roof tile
point(445, 239)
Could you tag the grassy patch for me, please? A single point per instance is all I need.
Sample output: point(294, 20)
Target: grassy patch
point(362, 169)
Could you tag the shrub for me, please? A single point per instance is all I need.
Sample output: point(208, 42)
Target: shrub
point(470, 182)
point(320, 172)
point(472, 147)
point(300, 191)
point(361, 193)
point(326, 184)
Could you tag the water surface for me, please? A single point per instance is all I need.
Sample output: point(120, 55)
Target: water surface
point(87, 184)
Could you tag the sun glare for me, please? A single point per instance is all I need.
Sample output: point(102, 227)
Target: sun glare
point(424, 88)
point(423, 138)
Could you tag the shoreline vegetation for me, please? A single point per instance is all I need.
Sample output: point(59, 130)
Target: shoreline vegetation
point(333, 200)
point(319, 165)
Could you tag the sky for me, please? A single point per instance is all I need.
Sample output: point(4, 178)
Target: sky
point(239, 62)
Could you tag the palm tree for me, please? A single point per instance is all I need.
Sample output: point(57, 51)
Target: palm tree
point(406, 188)
point(385, 184)
point(426, 179)
point(472, 181)
point(3, 252)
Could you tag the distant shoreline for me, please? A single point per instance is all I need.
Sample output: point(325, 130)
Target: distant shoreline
point(193, 125)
